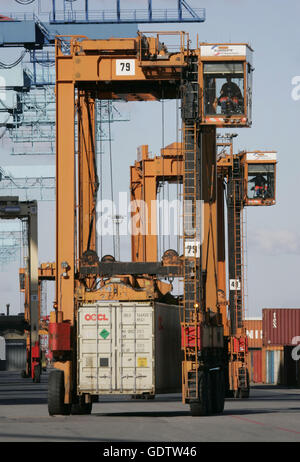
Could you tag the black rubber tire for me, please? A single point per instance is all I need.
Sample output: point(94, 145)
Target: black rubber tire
point(56, 394)
point(217, 392)
point(81, 407)
point(245, 394)
point(229, 394)
point(149, 396)
point(37, 374)
point(202, 407)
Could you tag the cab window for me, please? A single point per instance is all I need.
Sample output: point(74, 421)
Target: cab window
point(224, 89)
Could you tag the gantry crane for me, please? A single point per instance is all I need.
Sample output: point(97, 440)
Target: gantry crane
point(142, 69)
point(247, 179)
point(235, 178)
point(12, 208)
point(46, 272)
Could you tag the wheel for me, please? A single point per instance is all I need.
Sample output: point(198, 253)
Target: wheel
point(203, 405)
point(56, 394)
point(229, 394)
point(81, 407)
point(245, 393)
point(24, 375)
point(149, 396)
point(236, 393)
point(37, 374)
point(217, 391)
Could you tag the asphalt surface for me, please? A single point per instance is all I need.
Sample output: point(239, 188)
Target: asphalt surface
point(271, 414)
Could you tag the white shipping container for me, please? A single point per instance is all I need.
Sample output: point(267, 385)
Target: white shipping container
point(2, 354)
point(130, 348)
point(2, 349)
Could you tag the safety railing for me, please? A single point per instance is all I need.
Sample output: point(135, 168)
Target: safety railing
point(128, 16)
point(113, 16)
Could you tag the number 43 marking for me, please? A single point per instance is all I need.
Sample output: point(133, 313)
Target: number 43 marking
point(235, 284)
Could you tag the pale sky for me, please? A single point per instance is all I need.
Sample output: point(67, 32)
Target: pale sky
point(272, 29)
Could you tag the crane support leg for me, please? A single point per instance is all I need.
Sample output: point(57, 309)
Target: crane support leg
point(144, 226)
point(34, 305)
point(202, 331)
point(88, 182)
point(209, 197)
point(63, 317)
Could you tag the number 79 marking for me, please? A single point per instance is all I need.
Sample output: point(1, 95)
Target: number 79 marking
point(125, 67)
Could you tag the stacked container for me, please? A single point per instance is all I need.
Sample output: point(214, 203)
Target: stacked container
point(281, 333)
point(254, 334)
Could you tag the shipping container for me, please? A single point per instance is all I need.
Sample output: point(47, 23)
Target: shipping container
point(15, 354)
point(2, 354)
point(280, 326)
point(254, 332)
point(255, 365)
point(129, 348)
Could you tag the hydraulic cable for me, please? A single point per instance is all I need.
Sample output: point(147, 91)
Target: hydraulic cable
point(24, 2)
point(12, 65)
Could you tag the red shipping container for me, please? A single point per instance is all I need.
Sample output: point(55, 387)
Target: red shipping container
point(59, 336)
point(254, 332)
point(280, 326)
point(256, 366)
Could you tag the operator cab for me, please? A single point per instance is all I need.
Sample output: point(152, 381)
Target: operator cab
point(226, 73)
point(260, 177)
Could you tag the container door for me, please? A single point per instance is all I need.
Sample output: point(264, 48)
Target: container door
point(290, 367)
point(251, 368)
point(270, 367)
point(277, 367)
point(15, 356)
point(135, 348)
point(97, 349)
point(256, 357)
point(258, 366)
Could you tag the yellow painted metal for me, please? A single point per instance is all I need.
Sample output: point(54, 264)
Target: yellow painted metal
point(91, 67)
point(88, 182)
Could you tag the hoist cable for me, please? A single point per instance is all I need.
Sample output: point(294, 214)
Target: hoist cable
point(111, 176)
point(163, 168)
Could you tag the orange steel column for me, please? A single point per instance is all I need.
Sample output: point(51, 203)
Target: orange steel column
point(209, 196)
point(65, 203)
point(87, 177)
point(65, 198)
point(150, 239)
point(143, 190)
point(135, 198)
point(221, 251)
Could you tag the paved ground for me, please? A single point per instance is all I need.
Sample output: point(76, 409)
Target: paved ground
point(271, 414)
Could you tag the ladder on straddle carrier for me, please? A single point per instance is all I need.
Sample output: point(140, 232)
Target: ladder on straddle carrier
point(235, 249)
point(191, 305)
